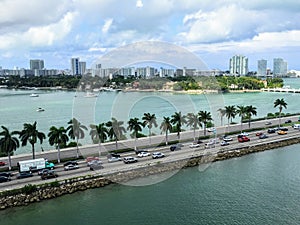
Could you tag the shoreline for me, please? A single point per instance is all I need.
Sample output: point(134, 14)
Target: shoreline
point(55, 188)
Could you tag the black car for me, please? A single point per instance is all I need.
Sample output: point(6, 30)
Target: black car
point(24, 175)
point(176, 147)
point(5, 174)
point(271, 131)
point(115, 155)
point(4, 179)
point(283, 128)
point(50, 174)
point(71, 163)
point(288, 121)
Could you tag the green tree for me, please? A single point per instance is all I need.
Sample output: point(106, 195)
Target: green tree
point(99, 134)
point(178, 120)
point(8, 143)
point(149, 121)
point(281, 104)
point(250, 111)
point(204, 117)
point(230, 112)
point(59, 138)
point(166, 126)
point(135, 126)
point(193, 122)
point(242, 112)
point(32, 135)
point(116, 130)
point(76, 132)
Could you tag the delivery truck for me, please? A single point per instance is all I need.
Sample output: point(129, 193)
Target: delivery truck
point(33, 165)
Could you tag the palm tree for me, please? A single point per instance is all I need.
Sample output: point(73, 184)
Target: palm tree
point(116, 130)
point(250, 111)
point(149, 121)
point(222, 113)
point(230, 112)
point(282, 104)
point(193, 122)
point(135, 125)
point(58, 137)
point(31, 134)
point(99, 134)
point(178, 120)
point(204, 117)
point(241, 111)
point(76, 132)
point(8, 143)
point(166, 126)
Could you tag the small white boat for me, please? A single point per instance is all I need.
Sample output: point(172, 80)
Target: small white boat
point(34, 95)
point(90, 95)
point(40, 109)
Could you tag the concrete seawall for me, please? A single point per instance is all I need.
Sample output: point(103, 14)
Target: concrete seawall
point(55, 189)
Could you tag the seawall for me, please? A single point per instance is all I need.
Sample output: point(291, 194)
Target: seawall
point(54, 189)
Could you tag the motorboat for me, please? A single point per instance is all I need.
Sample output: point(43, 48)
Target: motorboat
point(40, 109)
point(90, 95)
point(34, 95)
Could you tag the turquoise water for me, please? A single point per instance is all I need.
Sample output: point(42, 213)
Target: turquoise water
point(261, 188)
point(18, 108)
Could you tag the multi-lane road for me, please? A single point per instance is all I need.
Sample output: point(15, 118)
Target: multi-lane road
point(184, 153)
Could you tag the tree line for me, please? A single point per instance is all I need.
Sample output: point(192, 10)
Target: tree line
point(114, 130)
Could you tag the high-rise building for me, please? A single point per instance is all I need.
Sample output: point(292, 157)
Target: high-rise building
point(82, 68)
point(238, 65)
point(279, 67)
point(36, 64)
point(262, 67)
point(75, 66)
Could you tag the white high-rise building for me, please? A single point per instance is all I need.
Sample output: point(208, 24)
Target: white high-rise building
point(279, 67)
point(36, 64)
point(262, 67)
point(77, 67)
point(238, 65)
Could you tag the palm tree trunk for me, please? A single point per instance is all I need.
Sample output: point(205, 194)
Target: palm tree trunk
point(166, 137)
point(58, 153)
point(33, 151)
point(194, 134)
point(9, 161)
point(241, 124)
point(150, 137)
point(77, 149)
point(249, 122)
point(135, 139)
point(116, 143)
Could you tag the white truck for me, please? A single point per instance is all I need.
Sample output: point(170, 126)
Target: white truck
point(34, 165)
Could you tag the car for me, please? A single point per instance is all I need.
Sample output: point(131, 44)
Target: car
point(194, 145)
point(281, 132)
point(243, 138)
point(224, 143)
point(244, 134)
point(2, 163)
point(271, 131)
point(129, 159)
point(50, 174)
point(226, 138)
point(114, 159)
point(96, 167)
point(4, 179)
point(263, 136)
point(71, 167)
point(156, 155)
point(211, 129)
point(5, 174)
point(140, 151)
point(23, 175)
point(94, 162)
point(112, 154)
point(268, 123)
point(288, 121)
point(258, 134)
point(90, 158)
point(283, 128)
point(143, 154)
point(70, 163)
point(43, 171)
point(175, 147)
point(198, 141)
point(296, 126)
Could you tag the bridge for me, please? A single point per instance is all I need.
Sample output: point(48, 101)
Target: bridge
point(286, 90)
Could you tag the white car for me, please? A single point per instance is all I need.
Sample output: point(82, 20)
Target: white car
point(71, 167)
point(194, 145)
point(224, 143)
point(114, 159)
point(156, 155)
point(226, 138)
point(244, 134)
point(143, 154)
point(211, 129)
point(94, 162)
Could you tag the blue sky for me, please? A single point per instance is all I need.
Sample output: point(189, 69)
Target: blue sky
point(56, 30)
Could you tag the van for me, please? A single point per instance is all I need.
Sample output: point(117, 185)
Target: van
point(296, 126)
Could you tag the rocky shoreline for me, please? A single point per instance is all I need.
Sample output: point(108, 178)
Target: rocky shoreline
point(54, 189)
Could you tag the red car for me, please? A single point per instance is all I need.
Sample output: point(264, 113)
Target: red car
point(2, 163)
point(242, 138)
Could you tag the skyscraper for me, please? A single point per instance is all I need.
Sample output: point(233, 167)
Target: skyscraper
point(238, 65)
point(262, 67)
point(36, 64)
point(279, 67)
point(75, 66)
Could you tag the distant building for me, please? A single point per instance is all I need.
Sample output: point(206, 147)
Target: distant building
point(36, 64)
point(82, 68)
point(145, 71)
point(166, 72)
point(77, 67)
point(262, 67)
point(279, 67)
point(238, 65)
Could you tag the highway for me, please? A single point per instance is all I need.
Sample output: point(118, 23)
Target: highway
point(185, 152)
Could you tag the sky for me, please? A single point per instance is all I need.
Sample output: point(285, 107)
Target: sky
point(56, 30)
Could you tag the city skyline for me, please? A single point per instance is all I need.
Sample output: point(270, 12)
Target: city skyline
point(87, 30)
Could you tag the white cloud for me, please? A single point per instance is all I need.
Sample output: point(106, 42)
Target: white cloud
point(139, 4)
point(107, 25)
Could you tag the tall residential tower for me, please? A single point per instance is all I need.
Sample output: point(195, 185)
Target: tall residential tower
point(238, 65)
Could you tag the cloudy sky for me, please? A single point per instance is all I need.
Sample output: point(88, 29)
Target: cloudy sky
point(56, 30)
